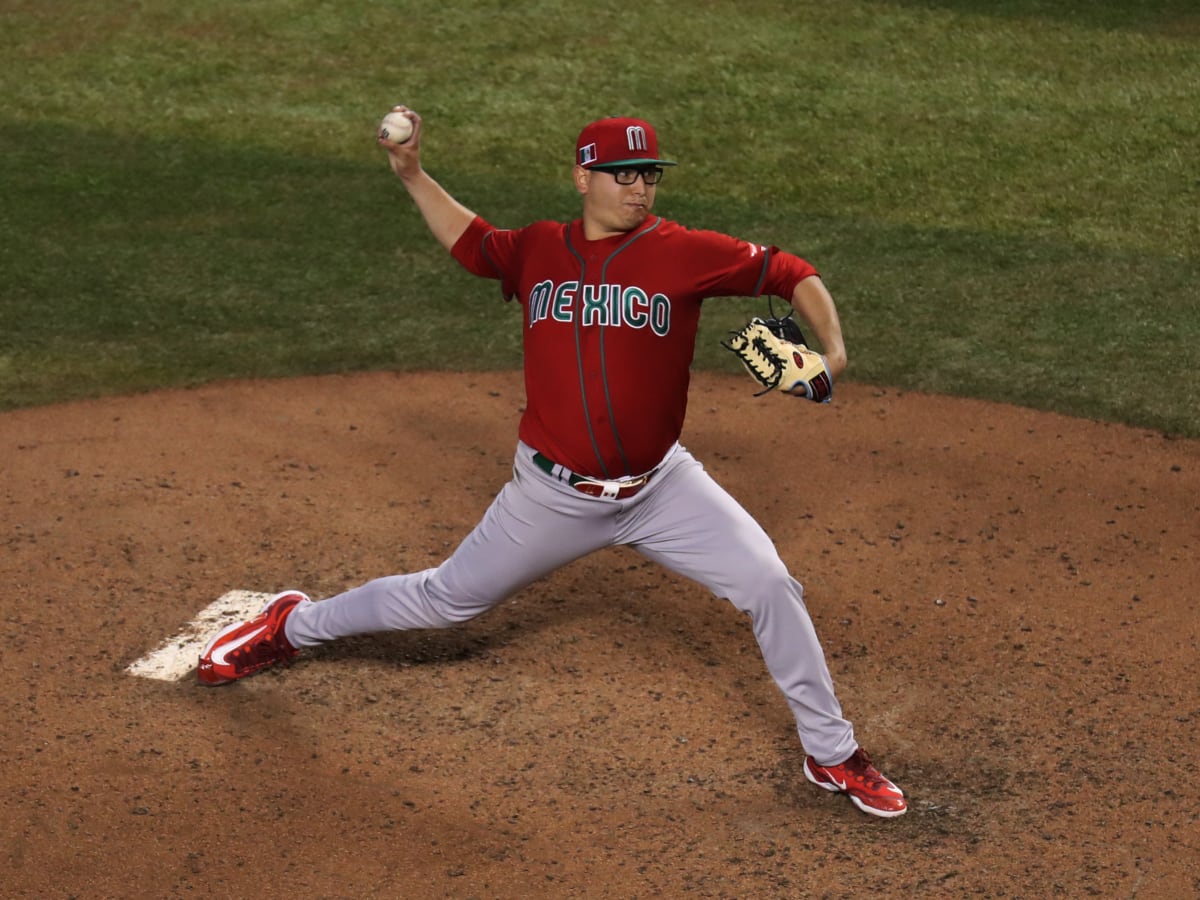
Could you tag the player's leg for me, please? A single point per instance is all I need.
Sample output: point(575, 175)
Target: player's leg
point(530, 529)
point(691, 525)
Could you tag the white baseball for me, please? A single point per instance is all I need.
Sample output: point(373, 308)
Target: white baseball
point(396, 127)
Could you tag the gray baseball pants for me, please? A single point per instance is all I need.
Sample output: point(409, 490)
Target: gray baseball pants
point(682, 520)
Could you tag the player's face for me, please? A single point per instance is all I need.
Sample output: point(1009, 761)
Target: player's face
point(610, 207)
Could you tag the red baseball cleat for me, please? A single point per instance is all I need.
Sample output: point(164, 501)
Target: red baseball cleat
point(243, 648)
point(869, 790)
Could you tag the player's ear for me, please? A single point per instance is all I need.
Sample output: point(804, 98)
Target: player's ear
point(583, 179)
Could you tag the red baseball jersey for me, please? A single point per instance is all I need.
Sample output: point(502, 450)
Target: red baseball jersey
point(610, 328)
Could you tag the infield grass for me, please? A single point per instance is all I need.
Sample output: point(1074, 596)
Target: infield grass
point(1002, 196)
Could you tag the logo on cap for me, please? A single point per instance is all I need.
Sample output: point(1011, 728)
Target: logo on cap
point(616, 140)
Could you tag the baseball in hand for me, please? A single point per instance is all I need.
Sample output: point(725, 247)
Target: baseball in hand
point(396, 127)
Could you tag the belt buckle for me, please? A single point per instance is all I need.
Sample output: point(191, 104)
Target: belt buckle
point(611, 490)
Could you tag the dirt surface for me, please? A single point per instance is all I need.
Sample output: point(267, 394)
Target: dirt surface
point(1007, 600)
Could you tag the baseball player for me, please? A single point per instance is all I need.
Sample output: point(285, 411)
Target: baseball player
point(610, 303)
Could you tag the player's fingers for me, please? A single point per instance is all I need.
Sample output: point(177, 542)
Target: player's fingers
point(413, 117)
point(415, 139)
point(410, 145)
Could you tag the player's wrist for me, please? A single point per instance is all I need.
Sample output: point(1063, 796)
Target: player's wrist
point(835, 361)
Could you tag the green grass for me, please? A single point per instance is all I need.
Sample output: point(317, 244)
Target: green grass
point(1004, 197)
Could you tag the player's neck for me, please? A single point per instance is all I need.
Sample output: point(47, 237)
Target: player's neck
point(594, 230)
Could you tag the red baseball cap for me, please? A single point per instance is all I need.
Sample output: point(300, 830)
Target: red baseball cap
point(618, 141)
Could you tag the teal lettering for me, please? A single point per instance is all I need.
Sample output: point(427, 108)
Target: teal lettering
point(564, 297)
point(595, 304)
point(660, 315)
point(539, 301)
point(633, 307)
point(604, 305)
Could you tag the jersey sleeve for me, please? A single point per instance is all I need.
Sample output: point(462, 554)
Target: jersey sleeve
point(739, 268)
point(489, 252)
point(783, 272)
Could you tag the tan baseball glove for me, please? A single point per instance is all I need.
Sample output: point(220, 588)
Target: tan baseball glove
point(774, 353)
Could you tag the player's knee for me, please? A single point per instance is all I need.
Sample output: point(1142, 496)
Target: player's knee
point(765, 582)
point(446, 612)
point(451, 607)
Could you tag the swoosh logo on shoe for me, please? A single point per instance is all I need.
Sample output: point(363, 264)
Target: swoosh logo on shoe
point(220, 653)
point(841, 785)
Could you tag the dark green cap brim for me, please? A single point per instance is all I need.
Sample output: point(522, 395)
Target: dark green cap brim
point(626, 163)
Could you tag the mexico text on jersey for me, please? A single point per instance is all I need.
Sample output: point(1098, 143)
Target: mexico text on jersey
point(599, 305)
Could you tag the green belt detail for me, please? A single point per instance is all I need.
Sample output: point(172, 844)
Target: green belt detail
point(547, 466)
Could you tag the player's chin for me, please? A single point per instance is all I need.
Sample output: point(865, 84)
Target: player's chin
point(636, 215)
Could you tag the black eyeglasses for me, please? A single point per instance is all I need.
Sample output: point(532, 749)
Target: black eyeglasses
point(650, 174)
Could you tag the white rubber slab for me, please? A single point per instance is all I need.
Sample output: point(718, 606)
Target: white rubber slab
point(177, 656)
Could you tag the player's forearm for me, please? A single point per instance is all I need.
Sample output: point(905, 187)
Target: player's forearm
point(812, 300)
point(445, 216)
